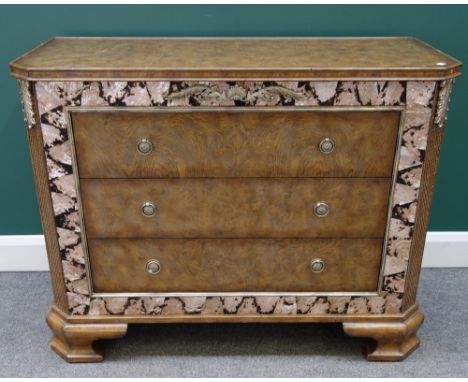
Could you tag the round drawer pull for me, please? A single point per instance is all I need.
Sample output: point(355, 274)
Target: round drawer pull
point(144, 146)
point(153, 267)
point(321, 209)
point(148, 209)
point(327, 146)
point(317, 265)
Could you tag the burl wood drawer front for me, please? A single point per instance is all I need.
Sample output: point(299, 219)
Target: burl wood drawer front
point(230, 265)
point(237, 143)
point(277, 207)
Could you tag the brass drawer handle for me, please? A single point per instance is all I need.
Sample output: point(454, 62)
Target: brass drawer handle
point(327, 146)
point(321, 209)
point(144, 146)
point(317, 265)
point(148, 209)
point(153, 267)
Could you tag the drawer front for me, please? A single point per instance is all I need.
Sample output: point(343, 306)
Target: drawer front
point(235, 143)
point(235, 265)
point(234, 208)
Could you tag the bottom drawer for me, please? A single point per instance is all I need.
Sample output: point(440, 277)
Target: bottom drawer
point(234, 265)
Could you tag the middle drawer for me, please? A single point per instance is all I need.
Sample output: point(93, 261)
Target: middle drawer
point(223, 208)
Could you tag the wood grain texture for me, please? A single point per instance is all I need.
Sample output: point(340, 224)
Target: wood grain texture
point(234, 318)
point(237, 58)
point(431, 162)
point(392, 341)
point(38, 159)
point(75, 336)
point(235, 265)
point(75, 342)
point(275, 207)
point(237, 143)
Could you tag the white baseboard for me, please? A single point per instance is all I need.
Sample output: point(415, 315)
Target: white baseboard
point(446, 250)
point(23, 253)
point(28, 253)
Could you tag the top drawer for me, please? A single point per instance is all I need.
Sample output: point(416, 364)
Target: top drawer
point(235, 143)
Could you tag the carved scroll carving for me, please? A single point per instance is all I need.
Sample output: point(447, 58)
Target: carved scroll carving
point(27, 103)
point(238, 93)
point(442, 103)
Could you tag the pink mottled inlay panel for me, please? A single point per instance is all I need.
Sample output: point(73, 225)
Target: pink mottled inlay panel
point(53, 97)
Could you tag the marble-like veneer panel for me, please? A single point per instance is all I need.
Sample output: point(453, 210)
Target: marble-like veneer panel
point(53, 97)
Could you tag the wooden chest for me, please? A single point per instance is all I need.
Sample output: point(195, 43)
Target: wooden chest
point(234, 180)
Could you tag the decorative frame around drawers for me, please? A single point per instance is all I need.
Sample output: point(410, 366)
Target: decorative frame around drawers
point(415, 97)
point(257, 296)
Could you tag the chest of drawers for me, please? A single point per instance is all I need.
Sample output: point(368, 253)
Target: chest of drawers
point(234, 180)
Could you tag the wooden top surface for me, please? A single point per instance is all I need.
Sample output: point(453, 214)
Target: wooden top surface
point(83, 58)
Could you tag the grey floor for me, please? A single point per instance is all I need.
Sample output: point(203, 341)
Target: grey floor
point(235, 350)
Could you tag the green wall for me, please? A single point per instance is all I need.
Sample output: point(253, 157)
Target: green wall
point(22, 27)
